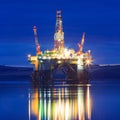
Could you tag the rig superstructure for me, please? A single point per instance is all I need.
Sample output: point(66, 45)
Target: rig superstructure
point(59, 55)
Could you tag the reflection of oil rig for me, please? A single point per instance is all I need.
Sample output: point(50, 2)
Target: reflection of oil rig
point(64, 103)
point(60, 56)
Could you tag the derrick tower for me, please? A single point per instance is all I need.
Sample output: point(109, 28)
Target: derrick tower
point(59, 34)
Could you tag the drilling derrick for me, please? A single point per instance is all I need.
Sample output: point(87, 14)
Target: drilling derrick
point(38, 51)
point(59, 34)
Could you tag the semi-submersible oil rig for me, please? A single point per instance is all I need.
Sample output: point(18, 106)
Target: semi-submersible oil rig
point(60, 58)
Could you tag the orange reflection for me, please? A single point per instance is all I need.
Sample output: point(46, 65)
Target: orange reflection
point(61, 103)
point(88, 104)
point(35, 103)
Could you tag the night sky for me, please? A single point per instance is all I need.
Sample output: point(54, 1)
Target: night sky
point(99, 19)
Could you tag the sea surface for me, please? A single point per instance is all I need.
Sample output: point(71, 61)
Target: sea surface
point(23, 97)
point(27, 99)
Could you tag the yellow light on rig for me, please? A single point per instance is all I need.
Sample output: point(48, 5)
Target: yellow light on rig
point(66, 52)
point(88, 62)
point(59, 62)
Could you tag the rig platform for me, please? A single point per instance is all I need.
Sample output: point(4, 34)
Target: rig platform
point(69, 61)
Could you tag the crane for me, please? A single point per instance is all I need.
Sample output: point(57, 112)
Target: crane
point(38, 51)
point(80, 45)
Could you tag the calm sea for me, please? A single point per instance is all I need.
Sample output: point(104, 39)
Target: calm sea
point(29, 100)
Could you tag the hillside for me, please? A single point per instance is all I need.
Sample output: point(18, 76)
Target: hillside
point(95, 72)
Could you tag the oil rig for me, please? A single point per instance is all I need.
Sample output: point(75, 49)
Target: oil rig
point(60, 57)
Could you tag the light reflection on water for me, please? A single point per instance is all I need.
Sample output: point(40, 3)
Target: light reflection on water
point(60, 103)
point(99, 100)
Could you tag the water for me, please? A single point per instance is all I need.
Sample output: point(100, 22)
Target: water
point(98, 100)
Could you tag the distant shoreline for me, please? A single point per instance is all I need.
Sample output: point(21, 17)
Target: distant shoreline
point(13, 73)
point(95, 71)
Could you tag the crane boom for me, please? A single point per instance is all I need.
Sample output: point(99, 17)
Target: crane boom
point(80, 45)
point(38, 51)
point(82, 42)
point(83, 38)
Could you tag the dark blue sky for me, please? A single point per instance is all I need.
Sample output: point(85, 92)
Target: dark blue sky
point(100, 20)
